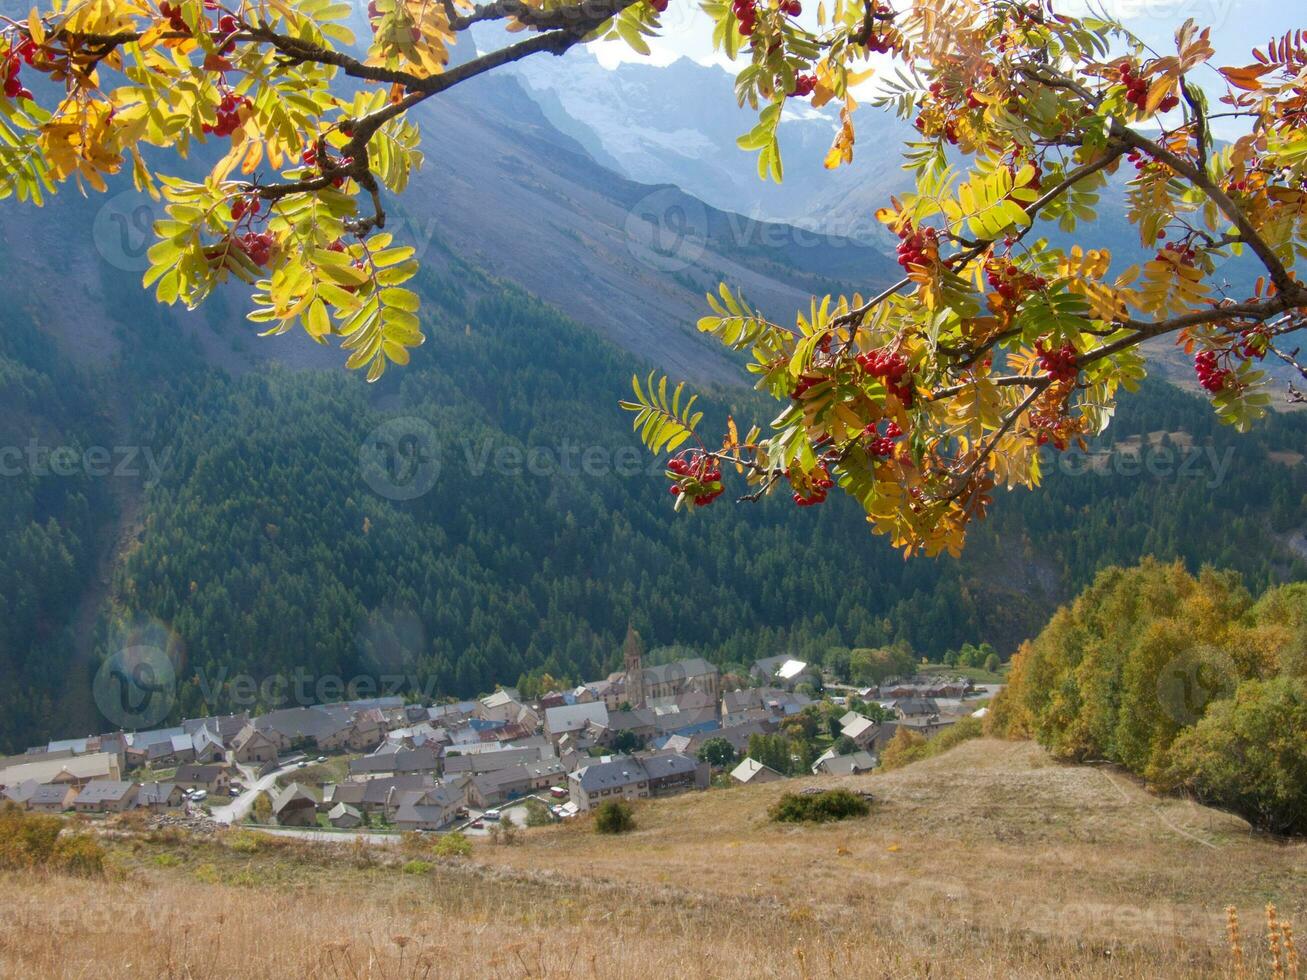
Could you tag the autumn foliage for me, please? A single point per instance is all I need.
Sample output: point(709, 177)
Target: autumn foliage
point(917, 400)
point(1186, 681)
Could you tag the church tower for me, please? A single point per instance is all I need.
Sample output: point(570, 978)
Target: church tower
point(633, 654)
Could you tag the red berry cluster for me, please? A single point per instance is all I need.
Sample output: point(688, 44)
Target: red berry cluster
point(1178, 253)
point(1242, 185)
point(804, 84)
point(658, 5)
point(245, 207)
point(21, 53)
point(881, 42)
point(917, 247)
point(882, 445)
point(174, 14)
point(1049, 428)
point(805, 382)
point(1059, 364)
point(1212, 377)
point(699, 476)
point(1255, 343)
point(892, 369)
point(1011, 282)
point(791, 7)
point(310, 158)
point(229, 114)
point(813, 490)
point(1142, 163)
point(1136, 90)
point(948, 130)
point(258, 245)
point(747, 14)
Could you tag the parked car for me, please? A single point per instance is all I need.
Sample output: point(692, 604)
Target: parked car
point(491, 815)
point(322, 758)
point(234, 791)
point(478, 824)
point(199, 794)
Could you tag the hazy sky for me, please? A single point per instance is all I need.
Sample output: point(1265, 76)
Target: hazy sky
point(1237, 26)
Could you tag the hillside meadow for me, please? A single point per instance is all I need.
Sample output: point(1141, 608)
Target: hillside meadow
point(988, 861)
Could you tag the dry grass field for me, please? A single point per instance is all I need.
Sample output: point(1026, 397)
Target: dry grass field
point(989, 861)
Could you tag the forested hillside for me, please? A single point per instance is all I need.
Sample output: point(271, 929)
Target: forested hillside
point(49, 514)
point(266, 549)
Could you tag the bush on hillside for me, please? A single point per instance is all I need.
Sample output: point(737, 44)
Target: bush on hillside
point(35, 840)
point(825, 807)
point(614, 817)
point(1249, 752)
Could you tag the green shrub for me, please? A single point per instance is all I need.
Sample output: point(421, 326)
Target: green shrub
point(1249, 753)
point(452, 845)
point(824, 807)
point(418, 867)
point(537, 814)
point(614, 817)
point(244, 842)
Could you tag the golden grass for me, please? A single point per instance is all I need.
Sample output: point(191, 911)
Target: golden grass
point(985, 862)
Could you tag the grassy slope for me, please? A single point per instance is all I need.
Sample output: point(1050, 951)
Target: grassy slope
point(986, 862)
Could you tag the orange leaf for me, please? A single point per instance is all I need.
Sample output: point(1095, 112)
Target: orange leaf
point(1245, 78)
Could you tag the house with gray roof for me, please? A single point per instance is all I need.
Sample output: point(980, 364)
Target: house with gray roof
point(620, 777)
point(853, 764)
point(489, 789)
point(106, 796)
point(391, 759)
point(430, 810)
point(252, 746)
point(344, 816)
point(51, 798)
point(673, 772)
point(213, 778)
point(160, 796)
point(295, 806)
point(751, 772)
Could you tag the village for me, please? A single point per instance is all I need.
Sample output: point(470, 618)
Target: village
point(380, 765)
